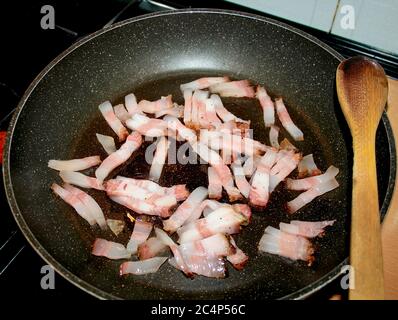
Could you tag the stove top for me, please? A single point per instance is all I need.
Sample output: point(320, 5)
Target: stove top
point(29, 48)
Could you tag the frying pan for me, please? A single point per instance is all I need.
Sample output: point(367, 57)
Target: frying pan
point(151, 55)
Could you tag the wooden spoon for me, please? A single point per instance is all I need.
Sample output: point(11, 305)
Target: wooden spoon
point(362, 89)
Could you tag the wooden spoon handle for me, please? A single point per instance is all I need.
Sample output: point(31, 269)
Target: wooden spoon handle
point(365, 251)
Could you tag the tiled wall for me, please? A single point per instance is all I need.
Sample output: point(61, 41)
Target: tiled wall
point(375, 22)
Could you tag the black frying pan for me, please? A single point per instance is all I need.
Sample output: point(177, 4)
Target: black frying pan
point(150, 55)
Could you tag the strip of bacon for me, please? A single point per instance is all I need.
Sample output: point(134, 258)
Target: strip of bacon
point(133, 142)
point(309, 195)
point(110, 117)
point(110, 249)
point(259, 192)
point(179, 260)
point(159, 159)
point(240, 88)
point(177, 111)
point(156, 106)
point(151, 248)
point(142, 267)
point(187, 107)
point(287, 122)
point(74, 164)
point(283, 167)
point(80, 180)
point(239, 258)
point(140, 233)
point(202, 83)
point(107, 142)
point(267, 105)
point(147, 126)
point(175, 125)
point(131, 104)
point(310, 182)
point(240, 178)
point(235, 144)
point(223, 220)
point(250, 165)
point(95, 210)
point(184, 211)
point(199, 119)
point(211, 114)
point(306, 229)
point(121, 113)
point(307, 167)
point(141, 206)
point(286, 245)
point(215, 185)
point(273, 136)
point(214, 159)
point(75, 202)
point(222, 112)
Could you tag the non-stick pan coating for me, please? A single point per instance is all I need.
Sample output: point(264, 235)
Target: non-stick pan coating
point(151, 56)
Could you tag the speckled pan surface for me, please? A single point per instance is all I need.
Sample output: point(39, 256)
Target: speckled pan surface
point(151, 55)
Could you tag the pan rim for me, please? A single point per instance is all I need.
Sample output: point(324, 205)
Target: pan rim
point(93, 290)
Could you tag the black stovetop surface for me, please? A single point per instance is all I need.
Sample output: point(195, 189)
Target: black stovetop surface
point(26, 50)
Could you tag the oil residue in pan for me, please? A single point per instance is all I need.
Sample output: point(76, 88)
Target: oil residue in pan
point(195, 175)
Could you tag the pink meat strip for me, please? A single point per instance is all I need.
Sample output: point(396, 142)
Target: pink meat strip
point(187, 107)
point(310, 182)
point(159, 159)
point(147, 126)
point(250, 165)
point(141, 206)
point(259, 192)
point(267, 105)
point(215, 185)
point(156, 106)
point(110, 250)
point(239, 258)
point(179, 191)
point(244, 210)
point(110, 117)
point(175, 125)
point(150, 248)
point(140, 233)
point(95, 210)
point(131, 104)
point(198, 116)
point(306, 229)
point(185, 210)
point(283, 167)
point(151, 265)
point(273, 136)
point(309, 195)
point(286, 245)
point(179, 260)
point(240, 88)
point(177, 111)
point(223, 220)
point(214, 159)
point(211, 114)
point(240, 178)
point(121, 113)
point(133, 142)
point(81, 180)
point(74, 164)
point(235, 144)
point(202, 83)
point(222, 112)
point(287, 122)
point(307, 167)
point(75, 202)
